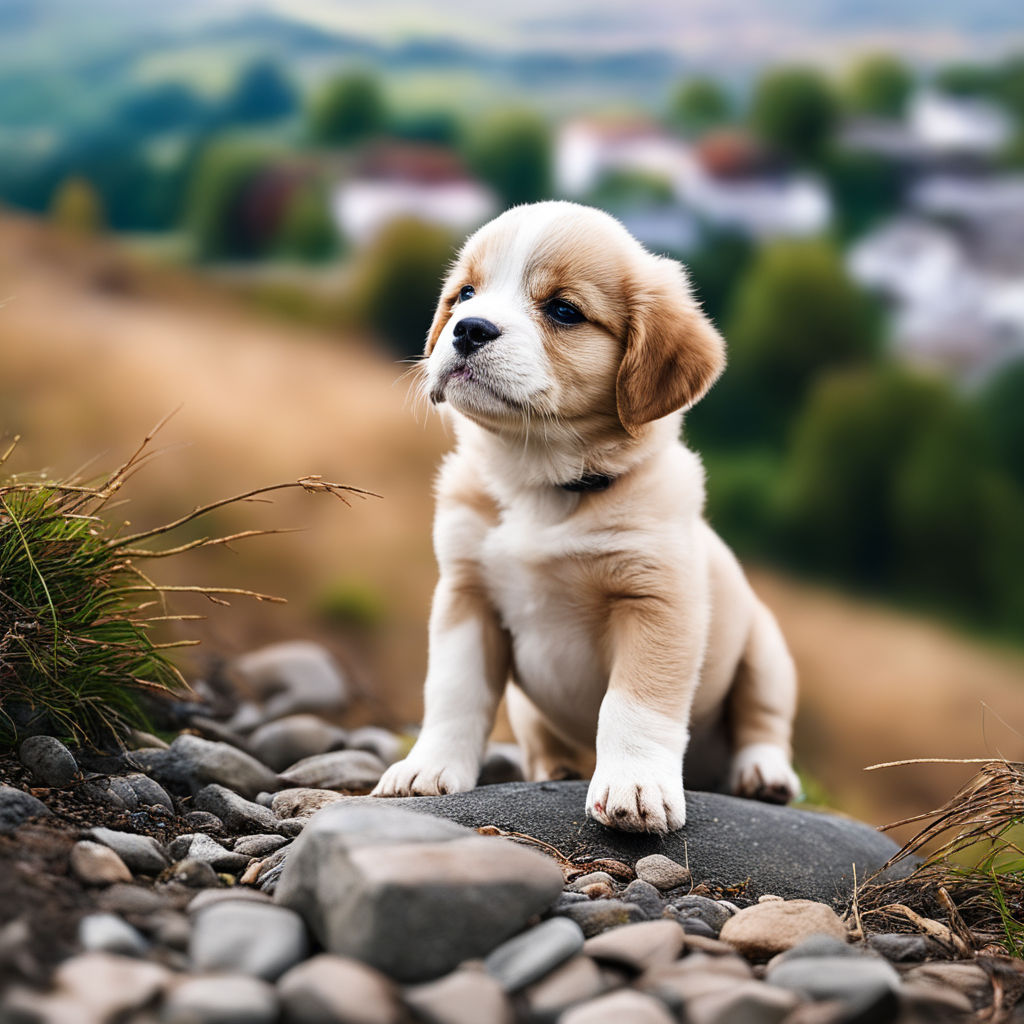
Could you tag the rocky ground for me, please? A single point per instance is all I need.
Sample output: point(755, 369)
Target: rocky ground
point(235, 876)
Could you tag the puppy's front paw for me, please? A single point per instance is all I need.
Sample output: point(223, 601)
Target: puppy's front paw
point(423, 776)
point(643, 803)
point(762, 772)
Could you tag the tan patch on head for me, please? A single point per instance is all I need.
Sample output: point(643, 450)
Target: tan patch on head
point(673, 352)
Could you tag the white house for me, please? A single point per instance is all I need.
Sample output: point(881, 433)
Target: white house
point(957, 124)
point(397, 180)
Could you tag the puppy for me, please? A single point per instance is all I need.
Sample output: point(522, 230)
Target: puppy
point(575, 566)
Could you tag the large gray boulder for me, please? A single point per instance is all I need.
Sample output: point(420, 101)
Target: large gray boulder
point(727, 841)
point(410, 895)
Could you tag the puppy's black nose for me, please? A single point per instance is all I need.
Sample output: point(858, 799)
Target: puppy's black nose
point(472, 333)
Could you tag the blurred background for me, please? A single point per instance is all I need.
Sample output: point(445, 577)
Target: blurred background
point(245, 207)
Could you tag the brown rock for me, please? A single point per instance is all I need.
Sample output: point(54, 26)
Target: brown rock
point(96, 864)
point(617, 1008)
point(466, 996)
point(961, 976)
point(333, 988)
point(574, 982)
point(768, 928)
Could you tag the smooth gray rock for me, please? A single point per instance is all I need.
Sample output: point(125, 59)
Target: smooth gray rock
point(204, 821)
point(287, 740)
point(339, 769)
point(192, 762)
point(638, 947)
point(530, 955)
point(751, 1002)
point(387, 745)
point(646, 897)
point(148, 792)
point(140, 853)
point(899, 947)
point(785, 851)
point(846, 978)
point(201, 847)
point(196, 874)
point(711, 912)
point(289, 678)
point(662, 872)
point(575, 981)
point(251, 938)
point(410, 895)
point(466, 996)
point(108, 933)
point(237, 813)
point(335, 990)
point(17, 807)
point(258, 845)
point(50, 762)
point(596, 916)
point(134, 900)
point(221, 999)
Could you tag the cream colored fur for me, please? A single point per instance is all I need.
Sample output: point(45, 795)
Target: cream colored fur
point(620, 624)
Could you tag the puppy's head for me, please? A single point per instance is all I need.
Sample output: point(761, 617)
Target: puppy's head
point(554, 313)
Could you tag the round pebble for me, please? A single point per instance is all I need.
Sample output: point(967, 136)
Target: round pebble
point(49, 761)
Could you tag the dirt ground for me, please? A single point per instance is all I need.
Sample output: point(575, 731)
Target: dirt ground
point(94, 349)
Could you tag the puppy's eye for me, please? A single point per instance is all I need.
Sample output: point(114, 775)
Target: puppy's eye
point(563, 312)
point(467, 291)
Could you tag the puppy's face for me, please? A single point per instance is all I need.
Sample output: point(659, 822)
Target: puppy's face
point(553, 313)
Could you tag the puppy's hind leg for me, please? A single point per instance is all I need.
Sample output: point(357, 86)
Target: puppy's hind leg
point(546, 755)
point(762, 703)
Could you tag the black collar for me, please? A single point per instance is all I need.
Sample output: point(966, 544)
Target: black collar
point(589, 482)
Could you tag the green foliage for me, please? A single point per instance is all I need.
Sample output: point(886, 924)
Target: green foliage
point(512, 153)
point(879, 85)
point(795, 111)
point(865, 190)
point(622, 188)
point(742, 496)
point(349, 109)
point(795, 314)
point(77, 207)
point(1001, 409)
point(966, 80)
point(261, 94)
point(353, 602)
point(215, 214)
point(399, 280)
point(698, 105)
point(307, 231)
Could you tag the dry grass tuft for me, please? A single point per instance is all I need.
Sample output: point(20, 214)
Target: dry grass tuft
point(968, 893)
point(76, 609)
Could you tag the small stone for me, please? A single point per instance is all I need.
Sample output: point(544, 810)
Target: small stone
point(410, 894)
point(148, 792)
point(238, 814)
point(292, 677)
point(771, 927)
point(133, 900)
point(900, 948)
point(96, 864)
point(199, 846)
point(567, 899)
point(49, 761)
point(258, 845)
point(250, 938)
point(844, 978)
point(290, 739)
point(221, 999)
point(137, 739)
point(710, 912)
point(695, 975)
point(521, 960)
point(105, 986)
point(965, 977)
point(695, 926)
point(645, 896)
point(600, 915)
point(639, 947)
point(340, 769)
point(140, 853)
point(17, 807)
point(204, 821)
point(196, 874)
point(662, 872)
point(466, 996)
point(388, 746)
point(238, 894)
point(335, 990)
point(303, 802)
point(108, 933)
point(817, 946)
point(617, 1007)
point(592, 878)
point(575, 981)
point(291, 827)
point(747, 1001)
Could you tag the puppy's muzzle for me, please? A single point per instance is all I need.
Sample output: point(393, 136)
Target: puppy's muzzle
point(472, 333)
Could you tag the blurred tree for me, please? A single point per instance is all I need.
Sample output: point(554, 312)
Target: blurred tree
point(164, 107)
point(795, 314)
point(307, 231)
point(865, 189)
point(77, 207)
point(350, 108)
point(966, 80)
point(261, 93)
point(880, 85)
point(215, 205)
point(1001, 409)
point(398, 282)
point(698, 105)
point(795, 111)
point(512, 154)
point(440, 127)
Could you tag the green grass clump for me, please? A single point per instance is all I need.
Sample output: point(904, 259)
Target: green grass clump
point(77, 613)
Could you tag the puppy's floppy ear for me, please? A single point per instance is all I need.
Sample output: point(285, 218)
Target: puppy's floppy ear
point(441, 316)
point(673, 352)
